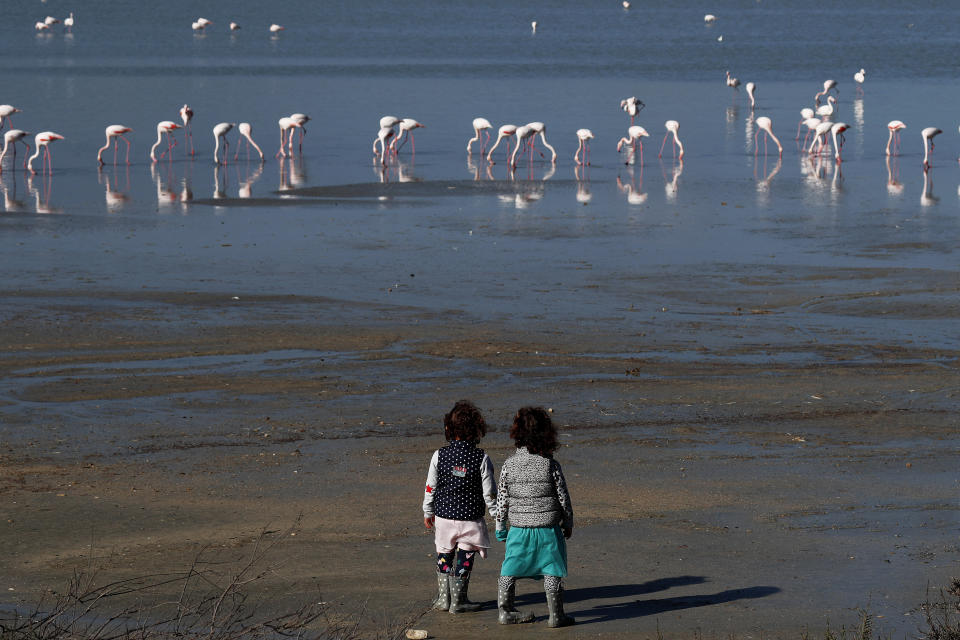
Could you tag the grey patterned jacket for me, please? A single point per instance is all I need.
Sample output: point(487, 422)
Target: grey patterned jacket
point(533, 493)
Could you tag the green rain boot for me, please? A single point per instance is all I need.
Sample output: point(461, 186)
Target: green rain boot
point(555, 605)
point(443, 592)
point(506, 612)
point(458, 595)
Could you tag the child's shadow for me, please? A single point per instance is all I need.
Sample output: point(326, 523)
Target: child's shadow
point(653, 606)
point(615, 590)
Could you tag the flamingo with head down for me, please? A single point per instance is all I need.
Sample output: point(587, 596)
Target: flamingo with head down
point(164, 127)
point(43, 139)
point(113, 132)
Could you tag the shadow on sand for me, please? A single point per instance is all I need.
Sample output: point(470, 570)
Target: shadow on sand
point(647, 607)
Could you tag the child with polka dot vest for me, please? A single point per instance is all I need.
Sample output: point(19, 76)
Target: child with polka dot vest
point(460, 489)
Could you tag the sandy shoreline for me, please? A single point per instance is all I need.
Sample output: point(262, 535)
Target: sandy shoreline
point(727, 493)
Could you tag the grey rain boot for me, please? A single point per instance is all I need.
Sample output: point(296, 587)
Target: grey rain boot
point(443, 592)
point(506, 612)
point(458, 594)
point(555, 604)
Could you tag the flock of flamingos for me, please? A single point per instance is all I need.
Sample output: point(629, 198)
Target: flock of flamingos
point(821, 129)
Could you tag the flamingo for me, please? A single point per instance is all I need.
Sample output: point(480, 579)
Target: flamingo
point(220, 132)
point(245, 131)
point(859, 78)
point(820, 136)
point(43, 139)
point(407, 125)
point(811, 125)
point(113, 132)
point(68, 22)
point(522, 133)
point(7, 110)
point(632, 106)
point(50, 21)
point(827, 86)
point(673, 127)
point(583, 135)
point(894, 127)
point(234, 26)
point(751, 89)
point(386, 122)
point(384, 136)
point(164, 127)
point(805, 114)
point(765, 124)
point(200, 24)
point(300, 121)
point(837, 132)
point(479, 124)
point(276, 28)
point(10, 139)
point(825, 111)
point(40, 26)
point(634, 135)
point(286, 125)
point(186, 114)
point(928, 135)
point(709, 18)
point(540, 128)
point(506, 131)
point(732, 82)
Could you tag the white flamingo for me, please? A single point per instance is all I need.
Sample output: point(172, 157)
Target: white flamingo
point(113, 132)
point(479, 124)
point(220, 132)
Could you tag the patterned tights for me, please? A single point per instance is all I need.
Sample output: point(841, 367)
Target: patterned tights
point(552, 584)
point(464, 562)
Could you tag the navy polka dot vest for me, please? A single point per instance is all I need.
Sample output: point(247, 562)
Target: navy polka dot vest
point(459, 492)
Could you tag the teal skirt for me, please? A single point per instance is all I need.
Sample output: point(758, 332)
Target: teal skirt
point(534, 552)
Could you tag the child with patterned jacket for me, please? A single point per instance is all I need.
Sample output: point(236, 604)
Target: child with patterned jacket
point(533, 497)
point(460, 488)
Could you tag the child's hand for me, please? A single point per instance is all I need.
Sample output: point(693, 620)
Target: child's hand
point(567, 532)
point(501, 535)
point(428, 521)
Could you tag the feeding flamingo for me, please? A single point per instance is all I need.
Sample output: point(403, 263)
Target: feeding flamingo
point(928, 135)
point(634, 135)
point(583, 135)
point(673, 127)
point(246, 131)
point(300, 121)
point(407, 125)
point(522, 133)
point(541, 129)
point(384, 137)
point(894, 126)
point(479, 124)
point(765, 124)
point(10, 139)
point(751, 89)
point(164, 127)
point(113, 132)
point(837, 132)
point(506, 131)
point(827, 86)
point(43, 139)
point(220, 132)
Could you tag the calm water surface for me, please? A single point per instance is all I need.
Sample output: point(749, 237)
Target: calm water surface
point(559, 237)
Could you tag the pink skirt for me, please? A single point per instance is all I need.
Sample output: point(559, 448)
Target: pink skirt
point(468, 535)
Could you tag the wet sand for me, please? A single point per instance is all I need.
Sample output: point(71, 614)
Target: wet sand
point(766, 485)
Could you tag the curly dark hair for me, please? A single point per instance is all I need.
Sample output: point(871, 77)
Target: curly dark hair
point(464, 422)
point(532, 428)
